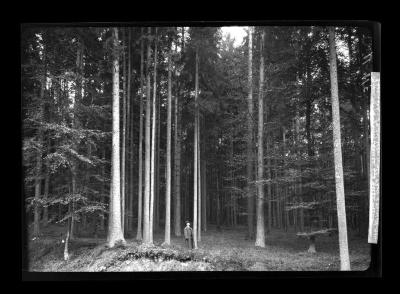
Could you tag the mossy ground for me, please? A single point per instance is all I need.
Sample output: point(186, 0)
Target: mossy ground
point(227, 250)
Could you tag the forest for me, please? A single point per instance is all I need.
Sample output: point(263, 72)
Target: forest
point(129, 133)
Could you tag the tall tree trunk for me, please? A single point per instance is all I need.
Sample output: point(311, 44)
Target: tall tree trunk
point(199, 175)
point(269, 185)
point(204, 182)
point(153, 142)
point(157, 180)
point(177, 165)
point(340, 199)
point(249, 189)
point(195, 177)
point(140, 172)
point(75, 125)
point(123, 143)
point(218, 206)
point(38, 178)
point(130, 136)
point(299, 182)
point(114, 223)
point(45, 217)
point(103, 174)
point(167, 237)
point(146, 206)
point(260, 232)
point(286, 213)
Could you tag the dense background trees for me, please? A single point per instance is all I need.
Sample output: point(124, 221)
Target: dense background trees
point(190, 129)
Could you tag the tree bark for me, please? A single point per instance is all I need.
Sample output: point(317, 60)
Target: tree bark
point(340, 197)
point(130, 135)
point(114, 223)
point(249, 190)
point(167, 238)
point(38, 178)
point(195, 177)
point(260, 232)
point(177, 165)
point(153, 142)
point(146, 207)
point(140, 172)
point(123, 143)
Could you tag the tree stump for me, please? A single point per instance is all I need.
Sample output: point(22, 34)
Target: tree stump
point(312, 236)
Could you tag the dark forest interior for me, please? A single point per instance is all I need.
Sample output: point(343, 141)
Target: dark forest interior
point(129, 132)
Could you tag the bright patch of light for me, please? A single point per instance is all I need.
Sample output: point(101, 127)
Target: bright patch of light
point(237, 33)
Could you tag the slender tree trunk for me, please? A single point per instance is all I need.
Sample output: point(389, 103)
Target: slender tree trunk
point(103, 174)
point(168, 180)
point(260, 232)
point(195, 178)
point(340, 199)
point(123, 143)
point(269, 189)
point(130, 135)
point(177, 178)
point(157, 169)
point(38, 178)
point(299, 182)
point(218, 206)
point(140, 172)
point(75, 125)
point(199, 175)
point(146, 207)
point(45, 217)
point(115, 234)
point(249, 189)
point(153, 142)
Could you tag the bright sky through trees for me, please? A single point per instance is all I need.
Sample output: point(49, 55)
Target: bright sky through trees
point(238, 33)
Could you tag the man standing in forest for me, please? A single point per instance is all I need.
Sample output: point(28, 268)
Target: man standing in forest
point(188, 235)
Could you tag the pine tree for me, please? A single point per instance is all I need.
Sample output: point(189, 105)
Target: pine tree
point(260, 235)
point(250, 199)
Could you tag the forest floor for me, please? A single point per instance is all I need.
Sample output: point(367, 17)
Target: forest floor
point(225, 250)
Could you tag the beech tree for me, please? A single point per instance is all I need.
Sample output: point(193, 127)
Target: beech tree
point(114, 223)
point(146, 202)
point(337, 141)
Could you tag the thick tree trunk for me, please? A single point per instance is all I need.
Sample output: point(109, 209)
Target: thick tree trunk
point(260, 232)
point(167, 237)
point(114, 223)
point(340, 197)
point(249, 189)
